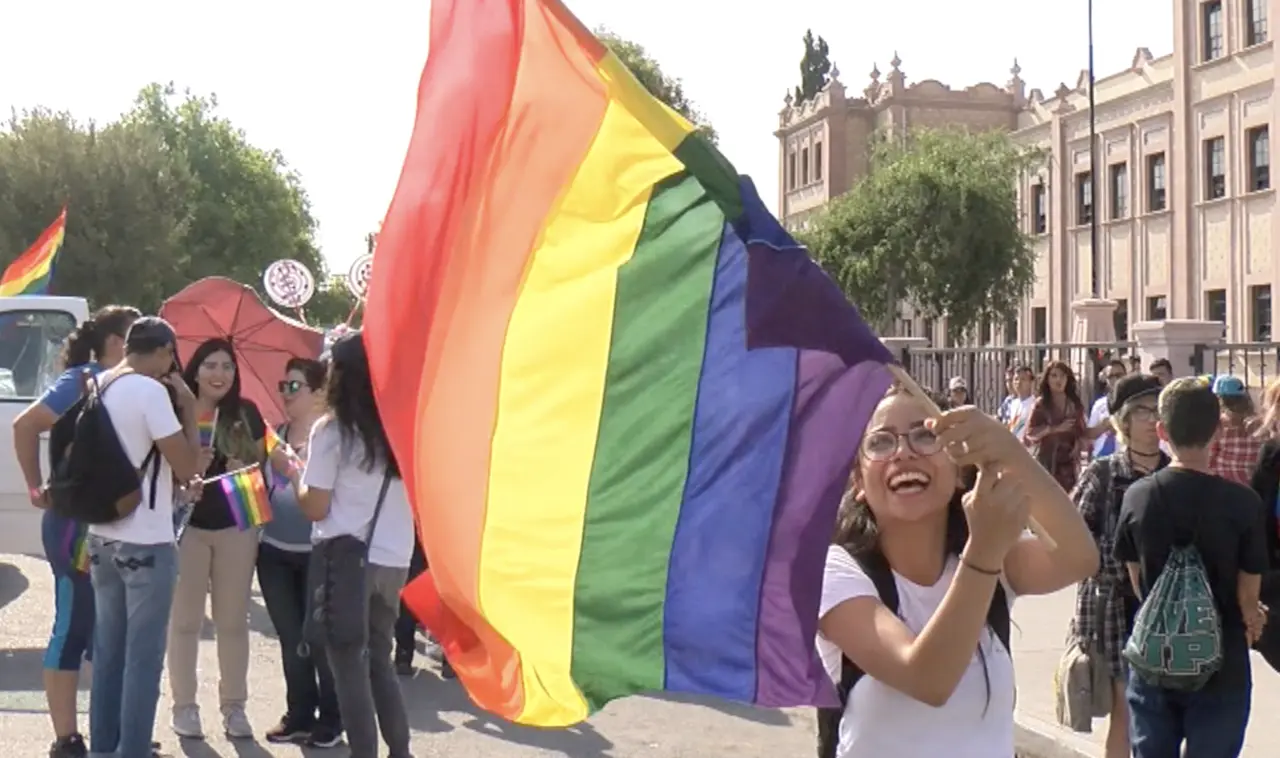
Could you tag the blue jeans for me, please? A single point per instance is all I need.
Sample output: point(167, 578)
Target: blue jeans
point(1212, 723)
point(133, 591)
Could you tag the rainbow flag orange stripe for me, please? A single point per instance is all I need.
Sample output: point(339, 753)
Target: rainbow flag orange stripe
point(247, 498)
point(30, 273)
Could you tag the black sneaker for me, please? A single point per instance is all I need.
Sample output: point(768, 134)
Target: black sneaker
point(288, 731)
point(71, 746)
point(324, 736)
point(404, 665)
point(446, 670)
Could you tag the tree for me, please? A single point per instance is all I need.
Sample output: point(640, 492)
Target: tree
point(934, 223)
point(168, 194)
point(815, 67)
point(667, 89)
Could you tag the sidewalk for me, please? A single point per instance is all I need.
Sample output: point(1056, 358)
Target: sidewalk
point(1040, 625)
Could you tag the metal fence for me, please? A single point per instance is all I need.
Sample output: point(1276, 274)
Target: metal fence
point(1256, 363)
point(983, 368)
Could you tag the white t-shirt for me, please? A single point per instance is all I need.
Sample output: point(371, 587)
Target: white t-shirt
point(1020, 414)
point(141, 414)
point(881, 721)
point(338, 466)
point(1097, 415)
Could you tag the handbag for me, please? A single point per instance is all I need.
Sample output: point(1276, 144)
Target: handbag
point(338, 588)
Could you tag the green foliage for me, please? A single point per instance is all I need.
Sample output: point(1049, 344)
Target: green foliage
point(815, 67)
point(168, 194)
point(332, 304)
point(935, 223)
point(667, 89)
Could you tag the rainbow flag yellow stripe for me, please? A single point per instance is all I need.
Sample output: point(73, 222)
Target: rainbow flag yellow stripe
point(31, 272)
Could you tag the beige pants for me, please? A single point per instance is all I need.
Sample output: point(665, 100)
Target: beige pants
point(218, 564)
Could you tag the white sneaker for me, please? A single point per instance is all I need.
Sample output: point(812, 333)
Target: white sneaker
point(186, 722)
point(236, 724)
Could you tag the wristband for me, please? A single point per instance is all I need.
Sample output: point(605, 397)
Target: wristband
point(964, 561)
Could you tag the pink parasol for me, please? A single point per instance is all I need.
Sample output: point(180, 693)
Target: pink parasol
point(265, 340)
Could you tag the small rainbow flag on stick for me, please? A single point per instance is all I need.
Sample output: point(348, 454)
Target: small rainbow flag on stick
point(77, 544)
point(247, 497)
point(207, 424)
point(29, 274)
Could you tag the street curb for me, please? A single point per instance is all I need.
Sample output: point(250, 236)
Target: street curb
point(1035, 738)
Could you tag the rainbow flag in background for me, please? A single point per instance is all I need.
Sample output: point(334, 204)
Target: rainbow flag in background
point(30, 273)
point(625, 402)
point(207, 425)
point(76, 541)
point(246, 493)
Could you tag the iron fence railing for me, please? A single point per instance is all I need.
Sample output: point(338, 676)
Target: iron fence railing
point(984, 369)
point(1256, 363)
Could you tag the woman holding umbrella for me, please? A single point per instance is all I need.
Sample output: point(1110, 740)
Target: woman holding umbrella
point(216, 556)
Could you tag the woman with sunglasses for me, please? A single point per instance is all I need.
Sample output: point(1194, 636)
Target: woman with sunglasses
point(311, 714)
point(918, 587)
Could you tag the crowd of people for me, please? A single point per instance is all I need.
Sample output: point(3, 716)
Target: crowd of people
point(1170, 597)
point(931, 550)
point(337, 502)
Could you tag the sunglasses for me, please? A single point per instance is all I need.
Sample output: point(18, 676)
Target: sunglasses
point(883, 444)
point(290, 386)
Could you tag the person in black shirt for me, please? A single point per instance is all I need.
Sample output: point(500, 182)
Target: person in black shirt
point(1185, 504)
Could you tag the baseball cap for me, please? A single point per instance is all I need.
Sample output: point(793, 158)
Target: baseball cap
point(148, 334)
point(1130, 388)
point(957, 383)
point(1228, 386)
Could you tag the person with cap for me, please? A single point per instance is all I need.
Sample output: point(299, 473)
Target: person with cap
point(1266, 482)
point(1105, 603)
point(957, 393)
point(134, 561)
point(1234, 452)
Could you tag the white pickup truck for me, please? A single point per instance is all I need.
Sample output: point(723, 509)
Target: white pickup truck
point(32, 330)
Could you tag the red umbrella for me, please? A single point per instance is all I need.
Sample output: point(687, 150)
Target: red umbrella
point(264, 339)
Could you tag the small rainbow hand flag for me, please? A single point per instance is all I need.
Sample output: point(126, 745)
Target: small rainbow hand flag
point(77, 544)
point(207, 424)
point(274, 443)
point(29, 274)
point(247, 497)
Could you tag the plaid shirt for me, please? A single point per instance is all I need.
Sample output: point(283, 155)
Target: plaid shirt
point(1235, 451)
point(1102, 620)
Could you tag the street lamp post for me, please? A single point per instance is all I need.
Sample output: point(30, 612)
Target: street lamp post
point(1095, 257)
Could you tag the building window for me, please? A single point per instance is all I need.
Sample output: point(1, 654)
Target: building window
point(1155, 183)
point(1215, 168)
point(1039, 326)
point(1119, 191)
point(1120, 320)
point(1039, 209)
point(1011, 332)
point(817, 161)
point(1215, 305)
point(1211, 15)
point(791, 170)
point(1157, 308)
point(1255, 22)
point(804, 167)
point(1084, 198)
point(927, 330)
point(1259, 158)
point(1260, 312)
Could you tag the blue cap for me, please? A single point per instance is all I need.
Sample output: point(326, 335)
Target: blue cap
point(1228, 386)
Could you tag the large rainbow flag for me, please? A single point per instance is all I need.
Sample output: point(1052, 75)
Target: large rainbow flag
point(30, 273)
point(624, 401)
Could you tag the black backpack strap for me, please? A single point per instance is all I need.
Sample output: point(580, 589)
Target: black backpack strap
point(998, 617)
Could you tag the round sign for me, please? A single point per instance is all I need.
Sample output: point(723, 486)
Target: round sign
point(359, 275)
point(289, 284)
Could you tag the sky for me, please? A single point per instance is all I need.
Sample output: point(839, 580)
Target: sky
point(334, 86)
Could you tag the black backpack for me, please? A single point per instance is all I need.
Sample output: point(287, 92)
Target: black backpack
point(877, 569)
point(92, 479)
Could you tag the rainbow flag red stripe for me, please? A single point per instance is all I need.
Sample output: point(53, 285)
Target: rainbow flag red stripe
point(247, 498)
point(30, 273)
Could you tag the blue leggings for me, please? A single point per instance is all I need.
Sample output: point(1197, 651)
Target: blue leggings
point(71, 641)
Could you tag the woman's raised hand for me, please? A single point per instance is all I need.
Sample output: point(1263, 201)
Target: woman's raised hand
point(972, 438)
point(997, 509)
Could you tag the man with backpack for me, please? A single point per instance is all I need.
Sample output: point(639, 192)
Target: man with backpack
point(122, 447)
point(1194, 547)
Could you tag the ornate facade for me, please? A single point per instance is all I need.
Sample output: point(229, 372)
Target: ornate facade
point(1184, 193)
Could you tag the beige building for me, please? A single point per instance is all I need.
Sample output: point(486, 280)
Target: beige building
point(1184, 192)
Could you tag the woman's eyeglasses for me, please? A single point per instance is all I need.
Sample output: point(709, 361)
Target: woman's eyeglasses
point(882, 444)
point(290, 386)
